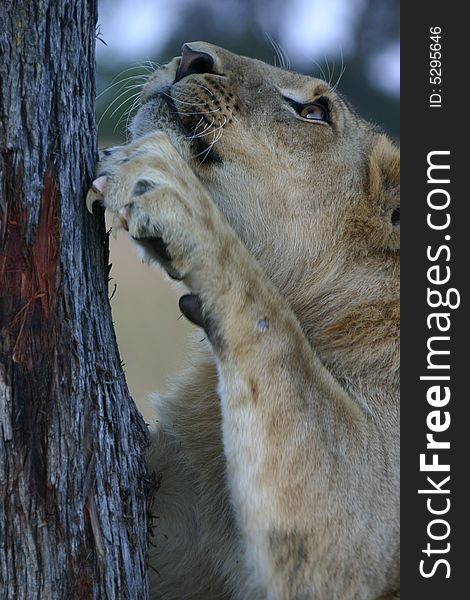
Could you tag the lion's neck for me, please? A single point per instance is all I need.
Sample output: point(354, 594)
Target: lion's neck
point(350, 313)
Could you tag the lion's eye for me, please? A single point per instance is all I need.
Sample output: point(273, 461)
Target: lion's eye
point(317, 110)
point(314, 112)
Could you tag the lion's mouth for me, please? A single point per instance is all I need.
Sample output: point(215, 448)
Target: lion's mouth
point(201, 146)
point(166, 97)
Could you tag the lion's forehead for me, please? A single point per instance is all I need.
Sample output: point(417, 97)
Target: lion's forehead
point(300, 85)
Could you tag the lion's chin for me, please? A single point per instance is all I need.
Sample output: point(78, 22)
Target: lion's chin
point(155, 115)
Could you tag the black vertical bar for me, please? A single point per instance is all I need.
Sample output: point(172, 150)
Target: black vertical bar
point(434, 118)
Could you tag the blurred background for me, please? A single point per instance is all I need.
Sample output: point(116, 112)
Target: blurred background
point(356, 41)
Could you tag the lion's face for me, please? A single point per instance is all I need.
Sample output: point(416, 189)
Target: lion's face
point(292, 166)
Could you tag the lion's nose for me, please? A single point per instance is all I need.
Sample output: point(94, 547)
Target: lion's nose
point(193, 61)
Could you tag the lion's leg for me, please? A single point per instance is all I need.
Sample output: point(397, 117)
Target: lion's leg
point(298, 449)
point(285, 422)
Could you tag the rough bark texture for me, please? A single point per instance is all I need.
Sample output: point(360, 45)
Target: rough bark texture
point(73, 520)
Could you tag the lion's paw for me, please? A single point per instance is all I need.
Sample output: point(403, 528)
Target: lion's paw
point(156, 197)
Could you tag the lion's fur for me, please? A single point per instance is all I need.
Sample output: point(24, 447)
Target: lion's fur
point(292, 509)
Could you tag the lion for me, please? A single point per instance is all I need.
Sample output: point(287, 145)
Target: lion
point(277, 208)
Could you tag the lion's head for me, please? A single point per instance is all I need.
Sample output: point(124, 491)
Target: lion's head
point(310, 186)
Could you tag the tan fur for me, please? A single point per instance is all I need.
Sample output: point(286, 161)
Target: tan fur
point(278, 448)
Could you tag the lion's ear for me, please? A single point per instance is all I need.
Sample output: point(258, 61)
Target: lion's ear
point(384, 190)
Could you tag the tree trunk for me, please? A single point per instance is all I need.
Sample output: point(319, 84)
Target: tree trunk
point(73, 486)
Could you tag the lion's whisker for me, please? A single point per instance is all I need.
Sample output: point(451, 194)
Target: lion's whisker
point(127, 113)
point(205, 131)
point(200, 112)
point(108, 108)
point(135, 104)
point(121, 82)
point(281, 54)
point(204, 88)
point(322, 72)
point(217, 134)
point(191, 137)
point(130, 99)
point(181, 101)
point(343, 69)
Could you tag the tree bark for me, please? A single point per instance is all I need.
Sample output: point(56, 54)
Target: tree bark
point(73, 486)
